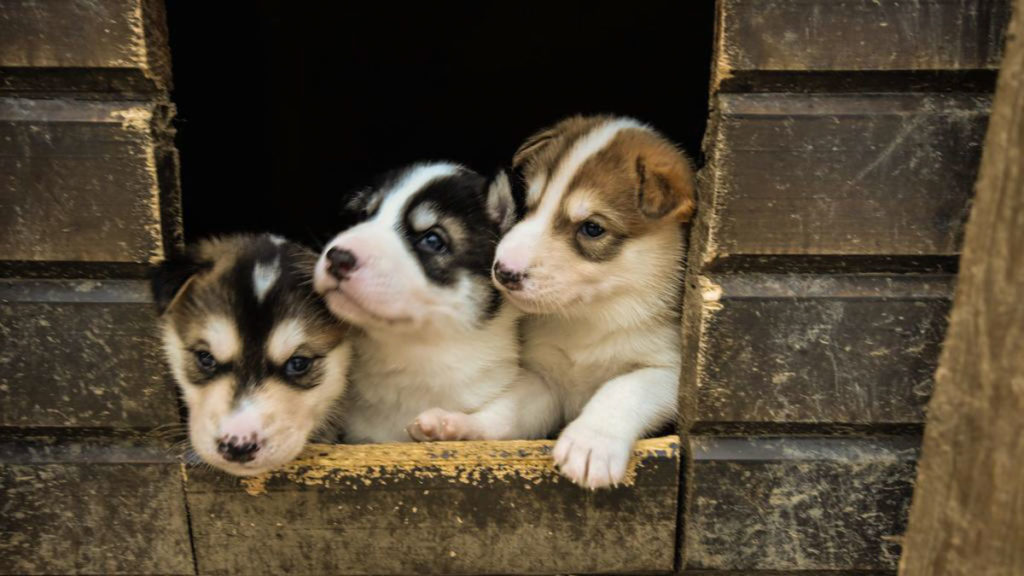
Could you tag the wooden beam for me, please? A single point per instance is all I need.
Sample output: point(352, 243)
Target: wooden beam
point(437, 508)
point(968, 512)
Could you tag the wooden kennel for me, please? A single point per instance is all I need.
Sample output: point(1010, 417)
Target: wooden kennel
point(843, 145)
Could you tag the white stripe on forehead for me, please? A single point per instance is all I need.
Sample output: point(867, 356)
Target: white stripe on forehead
point(582, 150)
point(416, 179)
point(264, 274)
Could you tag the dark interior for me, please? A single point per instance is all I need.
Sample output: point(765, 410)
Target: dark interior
point(284, 107)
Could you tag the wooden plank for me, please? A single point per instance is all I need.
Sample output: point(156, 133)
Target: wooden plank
point(82, 180)
point(839, 175)
point(968, 513)
point(761, 40)
point(817, 349)
point(83, 45)
point(781, 505)
point(81, 354)
point(91, 508)
point(438, 508)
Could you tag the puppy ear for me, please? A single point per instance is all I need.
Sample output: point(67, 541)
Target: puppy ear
point(170, 278)
point(501, 205)
point(533, 145)
point(666, 181)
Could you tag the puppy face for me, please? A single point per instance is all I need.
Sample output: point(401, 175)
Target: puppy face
point(259, 360)
point(420, 253)
point(604, 200)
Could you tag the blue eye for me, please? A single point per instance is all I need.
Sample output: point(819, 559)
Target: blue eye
point(206, 362)
point(591, 229)
point(432, 242)
point(297, 365)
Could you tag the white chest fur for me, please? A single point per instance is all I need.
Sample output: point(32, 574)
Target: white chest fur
point(395, 379)
point(577, 355)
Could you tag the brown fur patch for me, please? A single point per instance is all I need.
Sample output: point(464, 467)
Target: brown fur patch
point(638, 183)
point(544, 150)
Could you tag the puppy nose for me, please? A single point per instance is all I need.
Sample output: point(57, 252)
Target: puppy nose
point(235, 449)
point(340, 262)
point(509, 278)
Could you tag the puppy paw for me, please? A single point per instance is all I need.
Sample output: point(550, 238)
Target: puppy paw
point(438, 424)
point(591, 457)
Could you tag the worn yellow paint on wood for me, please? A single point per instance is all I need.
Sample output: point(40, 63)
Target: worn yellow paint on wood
point(460, 462)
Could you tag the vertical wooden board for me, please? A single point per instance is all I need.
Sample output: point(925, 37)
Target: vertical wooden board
point(80, 180)
point(758, 37)
point(438, 508)
point(968, 513)
point(64, 45)
point(783, 505)
point(91, 508)
point(840, 175)
point(819, 349)
point(81, 354)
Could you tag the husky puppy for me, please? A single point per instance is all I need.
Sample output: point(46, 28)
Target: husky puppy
point(596, 264)
point(438, 353)
point(260, 361)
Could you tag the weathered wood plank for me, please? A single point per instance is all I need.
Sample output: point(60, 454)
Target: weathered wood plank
point(440, 508)
point(839, 175)
point(93, 508)
point(81, 354)
point(83, 45)
point(817, 349)
point(968, 513)
point(82, 180)
point(759, 39)
point(794, 504)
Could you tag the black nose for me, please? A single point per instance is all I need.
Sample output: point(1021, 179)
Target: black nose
point(340, 262)
point(508, 278)
point(234, 449)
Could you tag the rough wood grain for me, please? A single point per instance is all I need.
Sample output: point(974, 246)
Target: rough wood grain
point(82, 180)
point(81, 354)
point(839, 176)
point(783, 505)
point(968, 512)
point(109, 507)
point(83, 45)
point(758, 39)
point(442, 508)
point(817, 349)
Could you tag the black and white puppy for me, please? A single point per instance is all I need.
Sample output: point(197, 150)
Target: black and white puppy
point(438, 357)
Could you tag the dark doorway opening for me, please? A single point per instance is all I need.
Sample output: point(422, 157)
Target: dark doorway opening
point(284, 107)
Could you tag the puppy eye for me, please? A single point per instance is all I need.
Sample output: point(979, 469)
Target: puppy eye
point(297, 366)
point(206, 362)
point(591, 229)
point(432, 242)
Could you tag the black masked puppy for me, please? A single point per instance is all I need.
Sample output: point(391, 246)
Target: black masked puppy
point(260, 361)
point(438, 356)
point(595, 262)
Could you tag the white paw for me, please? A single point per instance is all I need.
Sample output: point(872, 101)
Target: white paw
point(438, 424)
point(591, 457)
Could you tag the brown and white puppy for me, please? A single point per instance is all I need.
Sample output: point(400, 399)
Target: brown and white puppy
point(437, 353)
point(596, 262)
point(260, 361)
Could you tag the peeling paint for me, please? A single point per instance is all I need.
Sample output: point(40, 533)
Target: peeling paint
point(468, 463)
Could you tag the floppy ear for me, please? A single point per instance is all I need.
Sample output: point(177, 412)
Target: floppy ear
point(666, 183)
point(501, 205)
point(170, 278)
point(533, 145)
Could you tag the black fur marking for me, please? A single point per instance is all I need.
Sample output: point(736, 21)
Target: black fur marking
point(169, 277)
point(461, 198)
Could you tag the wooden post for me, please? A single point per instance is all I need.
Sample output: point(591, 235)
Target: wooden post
point(968, 510)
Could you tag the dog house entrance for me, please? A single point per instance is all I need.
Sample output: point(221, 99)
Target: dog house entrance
point(282, 109)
